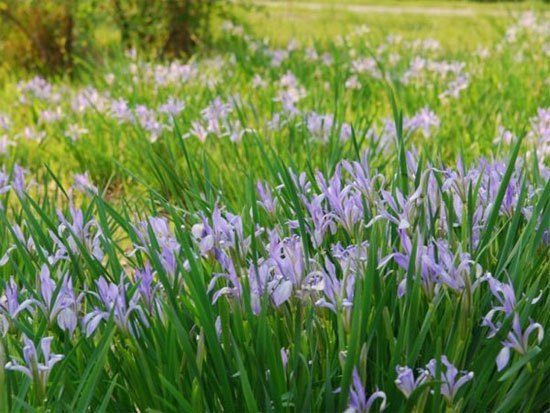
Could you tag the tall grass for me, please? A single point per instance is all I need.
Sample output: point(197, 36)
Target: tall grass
point(259, 248)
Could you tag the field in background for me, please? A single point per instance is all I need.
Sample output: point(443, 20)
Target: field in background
point(459, 26)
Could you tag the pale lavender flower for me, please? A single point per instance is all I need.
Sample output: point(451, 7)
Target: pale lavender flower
point(327, 59)
point(168, 246)
point(455, 87)
point(366, 65)
point(58, 302)
point(425, 120)
point(148, 289)
point(353, 83)
point(337, 294)
point(32, 367)
point(222, 233)
point(234, 288)
point(402, 211)
point(266, 280)
point(77, 233)
point(74, 132)
point(37, 88)
point(358, 401)
point(215, 114)
point(258, 82)
point(504, 293)
point(362, 179)
point(4, 181)
point(83, 183)
point(505, 136)
point(120, 110)
point(9, 302)
point(351, 258)
point(266, 198)
point(198, 130)
point(518, 340)
point(288, 255)
point(406, 382)
point(114, 300)
point(172, 107)
point(236, 131)
point(278, 56)
point(50, 116)
point(451, 379)
point(147, 119)
point(437, 265)
point(284, 357)
point(90, 99)
point(276, 123)
point(5, 144)
point(539, 134)
point(321, 220)
point(320, 126)
point(18, 180)
point(344, 204)
point(5, 122)
point(32, 134)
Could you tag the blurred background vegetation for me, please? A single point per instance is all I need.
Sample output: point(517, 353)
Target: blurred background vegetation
point(53, 36)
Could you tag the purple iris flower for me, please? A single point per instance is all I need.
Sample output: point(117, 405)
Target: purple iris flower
point(336, 293)
point(267, 201)
point(406, 382)
point(9, 302)
point(18, 180)
point(352, 258)
point(361, 178)
point(88, 234)
point(518, 340)
point(4, 181)
point(437, 264)
point(321, 220)
point(344, 204)
point(358, 401)
point(504, 293)
point(268, 281)
point(114, 301)
point(148, 288)
point(451, 379)
point(234, 289)
point(222, 233)
point(58, 302)
point(169, 247)
point(32, 367)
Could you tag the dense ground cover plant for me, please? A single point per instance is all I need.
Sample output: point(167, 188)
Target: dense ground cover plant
point(256, 231)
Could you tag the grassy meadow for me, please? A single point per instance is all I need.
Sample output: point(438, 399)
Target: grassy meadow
point(328, 211)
